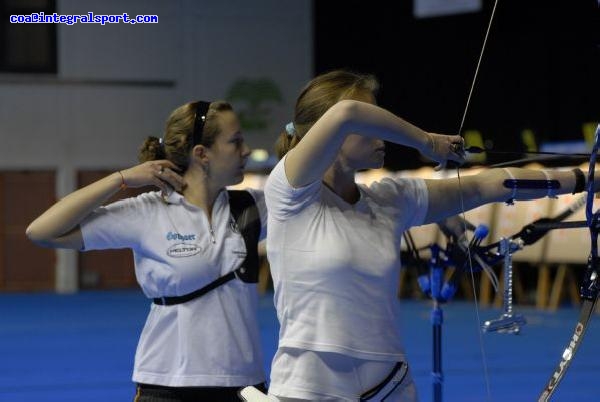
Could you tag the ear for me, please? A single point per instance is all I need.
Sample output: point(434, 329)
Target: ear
point(200, 154)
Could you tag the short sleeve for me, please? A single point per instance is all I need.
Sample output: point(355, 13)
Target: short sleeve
point(409, 195)
point(117, 225)
point(282, 199)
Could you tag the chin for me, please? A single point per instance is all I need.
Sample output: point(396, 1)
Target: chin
point(237, 179)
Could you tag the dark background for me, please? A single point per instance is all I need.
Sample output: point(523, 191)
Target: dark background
point(539, 70)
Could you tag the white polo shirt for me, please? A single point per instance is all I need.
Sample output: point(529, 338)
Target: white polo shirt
point(209, 341)
point(336, 266)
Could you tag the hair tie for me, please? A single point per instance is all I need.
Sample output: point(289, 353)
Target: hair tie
point(290, 129)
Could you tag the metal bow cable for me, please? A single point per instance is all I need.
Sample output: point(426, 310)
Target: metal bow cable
point(590, 285)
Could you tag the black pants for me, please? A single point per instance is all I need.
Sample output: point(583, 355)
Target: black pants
point(158, 393)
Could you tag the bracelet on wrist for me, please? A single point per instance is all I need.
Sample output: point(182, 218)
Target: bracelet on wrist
point(123, 185)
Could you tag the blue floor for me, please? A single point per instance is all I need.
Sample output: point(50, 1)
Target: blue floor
point(80, 348)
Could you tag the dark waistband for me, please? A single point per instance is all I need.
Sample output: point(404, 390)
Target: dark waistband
point(388, 385)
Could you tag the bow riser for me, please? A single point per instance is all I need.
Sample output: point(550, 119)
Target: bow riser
point(589, 289)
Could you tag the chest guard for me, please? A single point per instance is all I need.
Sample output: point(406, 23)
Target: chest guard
point(245, 214)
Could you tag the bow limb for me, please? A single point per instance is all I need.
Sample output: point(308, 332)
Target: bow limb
point(590, 286)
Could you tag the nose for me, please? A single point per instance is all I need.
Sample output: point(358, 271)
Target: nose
point(246, 150)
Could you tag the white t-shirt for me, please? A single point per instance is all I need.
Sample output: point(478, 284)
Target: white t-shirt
point(209, 341)
point(336, 266)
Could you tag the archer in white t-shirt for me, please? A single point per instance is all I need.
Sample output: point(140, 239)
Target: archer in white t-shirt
point(333, 245)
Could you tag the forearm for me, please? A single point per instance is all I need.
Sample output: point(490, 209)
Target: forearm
point(318, 149)
point(491, 184)
point(67, 213)
point(448, 198)
point(372, 121)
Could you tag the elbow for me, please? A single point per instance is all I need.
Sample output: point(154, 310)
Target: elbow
point(36, 237)
point(345, 113)
point(346, 109)
point(30, 232)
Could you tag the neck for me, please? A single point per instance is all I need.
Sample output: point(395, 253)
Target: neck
point(200, 190)
point(340, 179)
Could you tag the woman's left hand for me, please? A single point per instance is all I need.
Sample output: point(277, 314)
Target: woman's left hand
point(444, 148)
point(160, 173)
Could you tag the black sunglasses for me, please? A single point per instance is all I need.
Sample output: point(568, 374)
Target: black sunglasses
point(199, 120)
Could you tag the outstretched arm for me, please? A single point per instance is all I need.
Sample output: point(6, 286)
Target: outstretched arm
point(486, 187)
point(308, 161)
point(58, 227)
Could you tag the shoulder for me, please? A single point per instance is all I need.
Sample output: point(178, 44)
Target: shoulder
point(150, 199)
point(258, 195)
point(395, 189)
point(247, 198)
point(283, 199)
point(143, 203)
point(277, 177)
point(278, 184)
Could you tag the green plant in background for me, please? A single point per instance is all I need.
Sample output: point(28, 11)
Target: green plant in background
point(254, 97)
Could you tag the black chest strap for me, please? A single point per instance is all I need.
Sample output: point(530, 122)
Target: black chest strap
point(246, 219)
point(246, 216)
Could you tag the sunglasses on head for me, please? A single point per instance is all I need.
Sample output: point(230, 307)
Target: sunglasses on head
point(199, 120)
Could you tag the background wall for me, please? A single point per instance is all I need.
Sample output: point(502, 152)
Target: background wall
point(115, 84)
point(110, 86)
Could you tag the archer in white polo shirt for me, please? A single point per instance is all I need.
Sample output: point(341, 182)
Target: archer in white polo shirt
point(212, 340)
point(195, 254)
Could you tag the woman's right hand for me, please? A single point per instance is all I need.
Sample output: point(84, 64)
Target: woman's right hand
point(443, 148)
point(160, 173)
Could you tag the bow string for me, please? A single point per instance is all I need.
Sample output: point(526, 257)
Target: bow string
point(462, 204)
point(590, 287)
